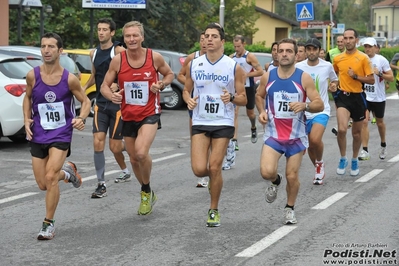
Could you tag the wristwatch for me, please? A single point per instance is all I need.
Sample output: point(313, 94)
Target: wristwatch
point(307, 107)
point(354, 77)
point(232, 97)
point(83, 119)
point(380, 74)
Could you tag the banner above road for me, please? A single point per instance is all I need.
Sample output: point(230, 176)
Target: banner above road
point(115, 4)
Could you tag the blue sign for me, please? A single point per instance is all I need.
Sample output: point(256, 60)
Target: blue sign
point(304, 11)
point(108, 4)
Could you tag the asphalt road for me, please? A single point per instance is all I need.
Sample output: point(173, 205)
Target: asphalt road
point(347, 221)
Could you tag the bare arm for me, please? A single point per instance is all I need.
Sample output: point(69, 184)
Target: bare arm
point(91, 81)
point(316, 104)
point(79, 93)
point(109, 78)
point(27, 104)
point(239, 84)
point(253, 61)
point(163, 68)
point(181, 77)
point(260, 98)
point(188, 87)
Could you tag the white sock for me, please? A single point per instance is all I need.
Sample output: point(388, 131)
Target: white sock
point(67, 175)
point(126, 171)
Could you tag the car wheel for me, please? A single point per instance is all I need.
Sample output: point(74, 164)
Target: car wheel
point(18, 138)
point(176, 100)
point(92, 97)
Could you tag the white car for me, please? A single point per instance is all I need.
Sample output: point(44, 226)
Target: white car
point(13, 72)
point(65, 61)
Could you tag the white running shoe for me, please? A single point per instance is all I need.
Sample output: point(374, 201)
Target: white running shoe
point(364, 155)
point(319, 175)
point(383, 153)
point(202, 182)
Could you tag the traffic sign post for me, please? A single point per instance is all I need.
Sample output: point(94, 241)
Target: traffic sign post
point(304, 11)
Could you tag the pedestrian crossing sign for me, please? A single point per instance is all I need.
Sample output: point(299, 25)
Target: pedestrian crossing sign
point(304, 11)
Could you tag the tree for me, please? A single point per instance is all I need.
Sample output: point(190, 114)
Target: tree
point(240, 17)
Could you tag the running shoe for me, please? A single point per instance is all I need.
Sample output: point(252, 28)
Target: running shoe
point(202, 182)
point(100, 192)
point(373, 121)
point(254, 135)
point(289, 216)
point(343, 163)
point(319, 175)
point(227, 165)
point(335, 131)
point(236, 148)
point(47, 232)
point(124, 177)
point(383, 153)
point(364, 155)
point(271, 191)
point(74, 176)
point(213, 218)
point(355, 167)
point(148, 200)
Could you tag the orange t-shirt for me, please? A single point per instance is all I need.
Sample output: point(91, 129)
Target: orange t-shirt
point(361, 66)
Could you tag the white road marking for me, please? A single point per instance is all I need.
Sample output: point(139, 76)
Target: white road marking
point(20, 196)
point(95, 176)
point(266, 241)
point(167, 157)
point(330, 201)
point(394, 159)
point(369, 175)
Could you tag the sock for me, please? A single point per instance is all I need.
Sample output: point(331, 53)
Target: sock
point(321, 161)
point(99, 164)
point(277, 181)
point(49, 221)
point(146, 188)
point(126, 171)
point(366, 149)
point(288, 206)
point(383, 144)
point(67, 175)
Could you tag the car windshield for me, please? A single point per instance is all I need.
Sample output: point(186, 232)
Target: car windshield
point(263, 59)
point(15, 68)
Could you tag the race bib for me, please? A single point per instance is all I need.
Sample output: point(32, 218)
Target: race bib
point(52, 115)
point(370, 90)
point(281, 104)
point(136, 92)
point(211, 106)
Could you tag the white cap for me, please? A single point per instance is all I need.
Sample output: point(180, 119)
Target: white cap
point(370, 41)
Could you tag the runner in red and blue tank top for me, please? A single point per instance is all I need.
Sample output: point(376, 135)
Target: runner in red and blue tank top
point(281, 102)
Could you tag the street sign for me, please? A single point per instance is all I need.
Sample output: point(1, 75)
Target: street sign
point(339, 29)
point(304, 11)
point(315, 24)
point(112, 4)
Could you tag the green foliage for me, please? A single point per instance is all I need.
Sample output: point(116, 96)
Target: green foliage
point(229, 48)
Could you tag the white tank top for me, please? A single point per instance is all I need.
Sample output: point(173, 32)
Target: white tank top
point(209, 81)
point(242, 61)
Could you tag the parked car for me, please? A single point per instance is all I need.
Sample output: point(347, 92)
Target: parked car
point(65, 61)
point(175, 60)
point(13, 72)
point(83, 61)
point(263, 59)
point(81, 57)
point(382, 41)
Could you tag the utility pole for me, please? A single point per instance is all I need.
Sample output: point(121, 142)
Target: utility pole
point(221, 13)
